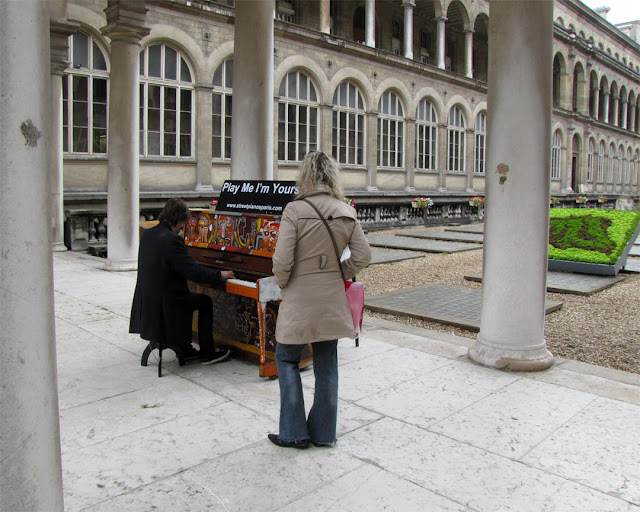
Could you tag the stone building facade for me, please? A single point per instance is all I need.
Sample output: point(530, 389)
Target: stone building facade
point(395, 89)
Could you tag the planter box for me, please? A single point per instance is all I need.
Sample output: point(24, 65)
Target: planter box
point(600, 269)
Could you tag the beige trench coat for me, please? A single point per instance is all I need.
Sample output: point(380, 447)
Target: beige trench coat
point(314, 305)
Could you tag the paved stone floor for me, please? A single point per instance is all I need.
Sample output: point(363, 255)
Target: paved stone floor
point(445, 235)
point(566, 282)
point(420, 427)
point(634, 251)
point(450, 305)
point(474, 228)
point(389, 255)
point(632, 265)
point(414, 244)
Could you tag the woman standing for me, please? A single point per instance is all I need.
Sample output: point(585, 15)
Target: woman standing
point(314, 306)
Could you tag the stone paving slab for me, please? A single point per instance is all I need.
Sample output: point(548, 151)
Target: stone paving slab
point(567, 282)
point(390, 256)
point(474, 228)
point(450, 305)
point(632, 265)
point(635, 251)
point(445, 235)
point(413, 244)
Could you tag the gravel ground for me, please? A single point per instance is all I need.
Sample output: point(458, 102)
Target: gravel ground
point(602, 329)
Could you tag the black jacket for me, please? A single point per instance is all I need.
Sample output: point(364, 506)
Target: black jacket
point(160, 311)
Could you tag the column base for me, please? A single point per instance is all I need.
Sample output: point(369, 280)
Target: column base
point(371, 188)
point(442, 189)
point(204, 188)
point(123, 265)
point(59, 247)
point(409, 189)
point(511, 360)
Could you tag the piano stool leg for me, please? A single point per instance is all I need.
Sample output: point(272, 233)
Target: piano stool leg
point(146, 354)
point(357, 340)
point(269, 369)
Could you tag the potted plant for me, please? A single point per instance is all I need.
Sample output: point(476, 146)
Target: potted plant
point(602, 199)
point(421, 202)
point(212, 205)
point(476, 201)
point(350, 202)
point(581, 199)
point(555, 201)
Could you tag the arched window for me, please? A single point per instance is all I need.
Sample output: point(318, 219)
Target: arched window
point(556, 146)
point(166, 103)
point(84, 98)
point(390, 131)
point(348, 132)
point(221, 110)
point(480, 143)
point(455, 140)
point(590, 161)
point(601, 153)
point(297, 117)
point(426, 136)
point(610, 163)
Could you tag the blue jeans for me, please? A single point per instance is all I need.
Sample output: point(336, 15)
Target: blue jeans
point(320, 426)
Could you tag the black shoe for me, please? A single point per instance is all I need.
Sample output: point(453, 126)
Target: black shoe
point(301, 445)
point(323, 445)
point(216, 357)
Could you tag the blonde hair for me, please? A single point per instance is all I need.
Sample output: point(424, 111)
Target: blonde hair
point(319, 169)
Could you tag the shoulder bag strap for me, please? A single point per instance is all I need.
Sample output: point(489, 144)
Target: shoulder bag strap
point(324, 221)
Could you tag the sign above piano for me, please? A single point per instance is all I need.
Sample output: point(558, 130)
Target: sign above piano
point(268, 197)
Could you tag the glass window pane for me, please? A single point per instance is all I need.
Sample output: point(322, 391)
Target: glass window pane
point(100, 90)
point(170, 98)
point(185, 74)
point(185, 145)
point(170, 63)
point(217, 76)
point(99, 141)
point(80, 141)
point(80, 50)
point(312, 90)
point(343, 95)
point(169, 121)
point(98, 58)
point(99, 115)
point(80, 115)
point(304, 81)
point(228, 79)
point(141, 70)
point(80, 88)
point(185, 122)
point(185, 100)
point(169, 144)
point(153, 143)
point(291, 85)
point(155, 66)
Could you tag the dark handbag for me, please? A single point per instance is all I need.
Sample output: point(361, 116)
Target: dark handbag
point(353, 289)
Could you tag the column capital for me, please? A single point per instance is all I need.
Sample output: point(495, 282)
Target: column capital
point(442, 18)
point(468, 31)
point(203, 87)
point(408, 3)
point(59, 32)
point(125, 21)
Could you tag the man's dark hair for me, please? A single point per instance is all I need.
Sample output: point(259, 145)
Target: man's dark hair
point(175, 212)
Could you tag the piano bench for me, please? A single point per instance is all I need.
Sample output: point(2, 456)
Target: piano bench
point(154, 345)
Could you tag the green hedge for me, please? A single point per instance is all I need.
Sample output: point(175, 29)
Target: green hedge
point(591, 236)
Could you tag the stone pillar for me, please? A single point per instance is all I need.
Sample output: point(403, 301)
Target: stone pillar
point(566, 91)
point(613, 116)
point(370, 23)
point(605, 112)
point(409, 5)
point(517, 179)
point(325, 16)
point(596, 102)
point(632, 118)
point(566, 154)
point(204, 102)
point(325, 128)
point(623, 120)
point(442, 157)
point(125, 27)
point(372, 155)
point(410, 154)
point(469, 156)
point(468, 53)
point(252, 127)
point(30, 471)
point(440, 44)
point(60, 30)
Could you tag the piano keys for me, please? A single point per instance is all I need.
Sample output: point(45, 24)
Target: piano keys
point(246, 308)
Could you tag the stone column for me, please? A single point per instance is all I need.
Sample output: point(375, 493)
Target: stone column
point(442, 157)
point(596, 102)
point(632, 118)
point(582, 103)
point(468, 53)
point(30, 471)
point(370, 23)
point(605, 112)
point(204, 102)
point(60, 30)
point(566, 91)
point(566, 155)
point(409, 5)
point(440, 45)
point(410, 154)
point(325, 16)
point(517, 179)
point(469, 157)
point(372, 155)
point(326, 128)
point(613, 116)
point(252, 127)
point(125, 27)
point(623, 120)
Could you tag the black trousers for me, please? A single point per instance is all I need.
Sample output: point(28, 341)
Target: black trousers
point(204, 306)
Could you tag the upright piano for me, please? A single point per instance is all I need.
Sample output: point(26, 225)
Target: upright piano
point(245, 309)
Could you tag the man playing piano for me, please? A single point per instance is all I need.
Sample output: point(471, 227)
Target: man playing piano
point(163, 306)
